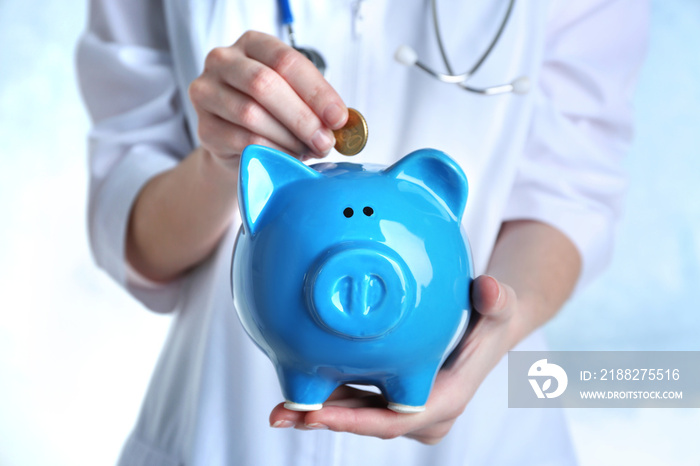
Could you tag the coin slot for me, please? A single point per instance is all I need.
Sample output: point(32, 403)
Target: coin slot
point(368, 211)
point(348, 212)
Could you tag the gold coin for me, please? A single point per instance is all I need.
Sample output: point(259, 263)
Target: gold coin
point(351, 138)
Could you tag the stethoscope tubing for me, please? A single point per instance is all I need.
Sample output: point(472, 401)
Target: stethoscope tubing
point(484, 55)
point(407, 56)
point(286, 12)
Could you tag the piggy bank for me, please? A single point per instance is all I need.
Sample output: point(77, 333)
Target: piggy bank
point(346, 273)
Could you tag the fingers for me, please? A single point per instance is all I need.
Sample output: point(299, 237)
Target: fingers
point(374, 422)
point(365, 413)
point(222, 138)
point(343, 396)
point(361, 420)
point(268, 92)
point(283, 417)
point(250, 122)
point(301, 75)
point(266, 87)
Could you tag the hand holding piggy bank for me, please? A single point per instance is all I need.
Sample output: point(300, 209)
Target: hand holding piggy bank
point(349, 273)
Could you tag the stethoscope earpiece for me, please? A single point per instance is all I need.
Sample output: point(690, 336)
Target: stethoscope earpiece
point(521, 85)
point(406, 55)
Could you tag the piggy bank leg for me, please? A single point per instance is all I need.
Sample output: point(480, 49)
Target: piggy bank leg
point(304, 391)
point(408, 394)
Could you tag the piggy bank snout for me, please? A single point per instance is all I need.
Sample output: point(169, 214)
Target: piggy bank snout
point(359, 292)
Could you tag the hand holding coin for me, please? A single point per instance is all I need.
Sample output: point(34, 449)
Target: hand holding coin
point(351, 138)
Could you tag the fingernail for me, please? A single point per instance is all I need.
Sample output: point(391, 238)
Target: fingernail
point(316, 426)
point(500, 291)
point(323, 140)
point(282, 424)
point(334, 115)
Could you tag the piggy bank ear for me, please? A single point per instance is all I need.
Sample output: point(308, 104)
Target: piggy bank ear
point(439, 174)
point(263, 171)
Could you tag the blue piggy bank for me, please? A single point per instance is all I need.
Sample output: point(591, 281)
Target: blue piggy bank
point(349, 273)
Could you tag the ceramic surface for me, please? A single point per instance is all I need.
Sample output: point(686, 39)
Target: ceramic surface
point(350, 273)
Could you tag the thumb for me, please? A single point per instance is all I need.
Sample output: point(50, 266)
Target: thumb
point(490, 297)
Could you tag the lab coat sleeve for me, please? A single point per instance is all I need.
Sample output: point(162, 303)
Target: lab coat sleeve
point(127, 82)
point(571, 175)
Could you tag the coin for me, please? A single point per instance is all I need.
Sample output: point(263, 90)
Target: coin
point(351, 138)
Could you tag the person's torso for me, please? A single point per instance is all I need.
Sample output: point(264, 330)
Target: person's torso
point(213, 389)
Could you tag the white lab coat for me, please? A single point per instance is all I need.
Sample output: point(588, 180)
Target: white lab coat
point(553, 155)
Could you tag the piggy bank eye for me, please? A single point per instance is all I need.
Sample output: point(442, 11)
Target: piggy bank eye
point(368, 211)
point(348, 212)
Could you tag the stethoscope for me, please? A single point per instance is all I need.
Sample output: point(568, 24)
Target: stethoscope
point(287, 21)
point(407, 56)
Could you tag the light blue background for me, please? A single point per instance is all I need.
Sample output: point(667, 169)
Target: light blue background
point(76, 353)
